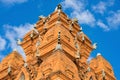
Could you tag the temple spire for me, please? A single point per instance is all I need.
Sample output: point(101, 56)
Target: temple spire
point(59, 7)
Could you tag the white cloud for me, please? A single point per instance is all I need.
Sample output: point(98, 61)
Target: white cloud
point(101, 7)
point(84, 17)
point(114, 20)
point(73, 4)
point(2, 43)
point(102, 25)
point(78, 10)
point(11, 2)
point(78, 6)
point(16, 32)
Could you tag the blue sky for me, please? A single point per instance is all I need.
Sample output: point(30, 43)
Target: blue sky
point(100, 20)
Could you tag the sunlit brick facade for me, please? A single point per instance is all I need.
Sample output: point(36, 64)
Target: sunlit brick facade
point(56, 49)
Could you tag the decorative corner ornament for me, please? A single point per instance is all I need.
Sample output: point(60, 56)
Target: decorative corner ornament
point(88, 69)
point(78, 54)
point(31, 35)
point(38, 43)
point(9, 69)
point(37, 53)
point(58, 47)
point(59, 7)
point(75, 20)
point(83, 38)
point(41, 17)
point(81, 29)
point(25, 64)
point(18, 41)
point(15, 49)
point(94, 46)
point(35, 31)
point(35, 26)
point(103, 73)
point(98, 54)
point(45, 26)
point(71, 28)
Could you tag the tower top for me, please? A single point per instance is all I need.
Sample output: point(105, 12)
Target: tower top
point(59, 6)
point(98, 54)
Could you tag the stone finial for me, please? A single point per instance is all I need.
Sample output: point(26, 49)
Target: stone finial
point(83, 38)
point(98, 54)
point(75, 20)
point(59, 7)
point(81, 29)
point(78, 54)
point(37, 53)
point(37, 43)
point(35, 26)
point(58, 47)
point(41, 17)
point(37, 49)
point(45, 26)
point(59, 10)
point(18, 41)
point(71, 27)
point(32, 34)
point(9, 69)
point(49, 16)
point(35, 31)
point(82, 34)
point(94, 46)
point(78, 51)
point(15, 49)
point(88, 69)
point(76, 45)
point(103, 73)
point(88, 61)
point(25, 64)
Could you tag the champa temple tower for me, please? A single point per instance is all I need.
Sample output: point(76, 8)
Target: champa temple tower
point(56, 49)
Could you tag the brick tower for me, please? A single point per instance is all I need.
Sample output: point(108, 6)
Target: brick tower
point(56, 49)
